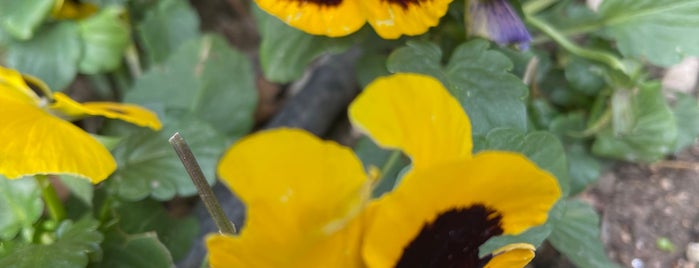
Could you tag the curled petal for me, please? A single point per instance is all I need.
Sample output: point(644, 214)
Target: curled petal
point(137, 115)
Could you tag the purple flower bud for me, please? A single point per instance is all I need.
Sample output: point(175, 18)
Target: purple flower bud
point(497, 21)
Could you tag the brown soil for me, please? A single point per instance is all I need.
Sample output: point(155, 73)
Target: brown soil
point(640, 204)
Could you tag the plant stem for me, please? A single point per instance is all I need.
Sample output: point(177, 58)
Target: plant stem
point(533, 7)
point(53, 204)
point(390, 163)
point(205, 193)
point(590, 54)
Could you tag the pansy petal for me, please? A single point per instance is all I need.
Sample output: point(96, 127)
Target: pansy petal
point(134, 114)
point(36, 142)
point(254, 249)
point(301, 195)
point(393, 18)
point(68, 9)
point(493, 193)
point(13, 86)
point(332, 18)
point(512, 255)
point(416, 114)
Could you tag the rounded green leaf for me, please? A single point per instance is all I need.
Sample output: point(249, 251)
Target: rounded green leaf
point(52, 55)
point(148, 166)
point(105, 37)
point(21, 18)
point(20, 205)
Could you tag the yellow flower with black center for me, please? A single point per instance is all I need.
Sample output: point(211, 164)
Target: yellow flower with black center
point(307, 199)
point(451, 201)
point(38, 138)
point(389, 18)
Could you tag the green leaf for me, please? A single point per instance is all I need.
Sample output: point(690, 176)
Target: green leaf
point(686, 111)
point(52, 55)
point(80, 187)
point(177, 235)
point(476, 75)
point(584, 168)
point(285, 51)
point(20, 205)
point(584, 76)
point(643, 127)
point(147, 164)
point(105, 37)
point(576, 235)
point(167, 26)
point(661, 31)
point(21, 18)
point(136, 251)
point(389, 162)
point(74, 242)
point(207, 78)
point(541, 147)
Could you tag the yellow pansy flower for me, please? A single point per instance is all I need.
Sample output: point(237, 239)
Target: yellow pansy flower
point(308, 206)
point(38, 139)
point(302, 195)
point(389, 18)
point(451, 201)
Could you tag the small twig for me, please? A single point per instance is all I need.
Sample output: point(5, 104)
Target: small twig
point(207, 196)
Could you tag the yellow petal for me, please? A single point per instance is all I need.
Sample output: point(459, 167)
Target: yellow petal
point(511, 256)
point(393, 18)
point(13, 86)
point(36, 142)
point(67, 9)
point(504, 182)
point(416, 114)
point(134, 114)
point(302, 196)
point(262, 248)
point(332, 18)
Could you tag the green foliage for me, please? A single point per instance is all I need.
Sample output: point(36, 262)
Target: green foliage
point(52, 55)
point(206, 78)
point(165, 27)
point(148, 165)
point(577, 236)
point(642, 126)
point(80, 187)
point(22, 18)
point(661, 31)
point(148, 215)
point(105, 37)
point(142, 250)
point(74, 241)
point(686, 112)
point(285, 52)
point(20, 205)
point(477, 76)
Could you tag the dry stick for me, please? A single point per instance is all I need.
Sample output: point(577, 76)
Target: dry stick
point(207, 196)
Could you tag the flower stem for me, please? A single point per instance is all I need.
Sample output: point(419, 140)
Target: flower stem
point(205, 193)
point(590, 54)
point(533, 7)
point(53, 204)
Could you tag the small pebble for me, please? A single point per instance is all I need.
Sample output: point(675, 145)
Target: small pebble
point(637, 263)
point(693, 252)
